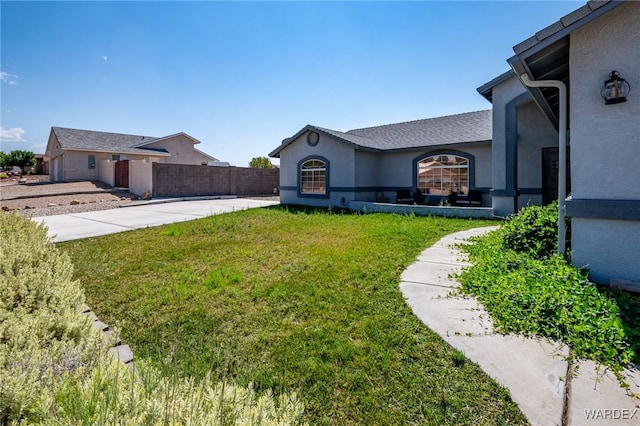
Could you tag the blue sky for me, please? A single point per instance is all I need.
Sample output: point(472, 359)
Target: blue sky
point(242, 76)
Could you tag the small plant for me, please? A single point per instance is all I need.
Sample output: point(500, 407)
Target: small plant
point(3, 175)
point(458, 359)
point(172, 230)
point(220, 278)
point(534, 230)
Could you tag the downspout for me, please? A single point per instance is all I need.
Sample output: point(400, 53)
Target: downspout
point(562, 147)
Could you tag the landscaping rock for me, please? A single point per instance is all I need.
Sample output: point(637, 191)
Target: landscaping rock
point(74, 202)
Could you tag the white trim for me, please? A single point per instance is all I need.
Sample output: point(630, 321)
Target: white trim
point(195, 141)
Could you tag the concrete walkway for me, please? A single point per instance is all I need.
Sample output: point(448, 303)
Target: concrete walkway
point(534, 370)
point(142, 215)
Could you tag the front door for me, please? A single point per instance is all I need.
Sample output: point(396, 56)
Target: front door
point(550, 161)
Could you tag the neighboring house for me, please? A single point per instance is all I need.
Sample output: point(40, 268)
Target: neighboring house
point(78, 154)
point(321, 167)
point(42, 164)
point(511, 153)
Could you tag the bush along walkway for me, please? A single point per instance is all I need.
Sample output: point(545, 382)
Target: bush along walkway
point(549, 389)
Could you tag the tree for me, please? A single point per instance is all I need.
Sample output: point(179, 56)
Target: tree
point(18, 158)
point(260, 163)
point(3, 160)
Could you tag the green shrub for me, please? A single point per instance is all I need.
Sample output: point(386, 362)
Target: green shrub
point(533, 230)
point(550, 298)
point(42, 333)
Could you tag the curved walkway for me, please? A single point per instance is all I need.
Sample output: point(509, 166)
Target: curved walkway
point(534, 370)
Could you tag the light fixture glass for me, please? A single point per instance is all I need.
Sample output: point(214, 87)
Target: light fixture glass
point(615, 90)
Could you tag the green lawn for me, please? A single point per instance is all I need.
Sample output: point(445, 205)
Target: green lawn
point(292, 300)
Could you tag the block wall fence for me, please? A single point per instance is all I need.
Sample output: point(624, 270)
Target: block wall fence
point(185, 180)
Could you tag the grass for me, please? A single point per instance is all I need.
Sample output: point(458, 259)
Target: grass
point(293, 301)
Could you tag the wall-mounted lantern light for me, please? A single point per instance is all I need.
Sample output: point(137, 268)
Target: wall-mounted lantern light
point(615, 90)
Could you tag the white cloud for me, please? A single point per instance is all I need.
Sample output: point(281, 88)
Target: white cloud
point(13, 134)
point(10, 79)
point(37, 147)
point(105, 59)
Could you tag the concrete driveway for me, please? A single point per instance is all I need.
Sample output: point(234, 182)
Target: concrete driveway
point(92, 224)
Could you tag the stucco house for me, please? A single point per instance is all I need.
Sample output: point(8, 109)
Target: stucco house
point(511, 153)
point(86, 154)
point(581, 50)
point(321, 167)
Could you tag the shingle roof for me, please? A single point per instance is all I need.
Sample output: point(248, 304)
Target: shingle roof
point(452, 129)
point(89, 140)
point(562, 24)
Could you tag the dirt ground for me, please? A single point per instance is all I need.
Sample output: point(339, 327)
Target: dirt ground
point(37, 198)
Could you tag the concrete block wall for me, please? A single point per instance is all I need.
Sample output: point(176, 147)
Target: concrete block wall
point(184, 180)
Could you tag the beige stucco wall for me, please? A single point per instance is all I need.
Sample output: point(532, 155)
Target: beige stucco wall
point(605, 143)
point(140, 176)
point(106, 171)
point(181, 149)
point(76, 165)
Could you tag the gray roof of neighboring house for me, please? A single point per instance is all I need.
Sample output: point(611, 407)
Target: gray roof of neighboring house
point(89, 140)
point(451, 129)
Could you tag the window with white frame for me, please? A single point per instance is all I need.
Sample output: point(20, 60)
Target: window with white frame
point(313, 177)
point(443, 173)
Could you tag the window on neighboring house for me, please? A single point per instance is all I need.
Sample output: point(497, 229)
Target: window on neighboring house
point(313, 177)
point(92, 161)
point(115, 157)
point(442, 173)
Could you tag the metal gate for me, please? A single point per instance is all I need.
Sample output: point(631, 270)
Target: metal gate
point(121, 172)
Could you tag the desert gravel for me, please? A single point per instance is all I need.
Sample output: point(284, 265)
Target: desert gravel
point(34, 199)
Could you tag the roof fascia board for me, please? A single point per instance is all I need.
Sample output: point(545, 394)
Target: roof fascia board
point(205, 154)
point(434, 147)
point(544, 43)
point(276, 152)
point(154, 153)
point(195, 141)
point(486, 89)
point(520, 67)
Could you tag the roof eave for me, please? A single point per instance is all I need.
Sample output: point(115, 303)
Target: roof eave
point(439, 146)
point(156, 153)
point(557, 33)
point(154, 140)
point(486, 89)
point(288, 141)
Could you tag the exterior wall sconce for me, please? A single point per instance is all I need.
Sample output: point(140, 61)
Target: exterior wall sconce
point(615, 90)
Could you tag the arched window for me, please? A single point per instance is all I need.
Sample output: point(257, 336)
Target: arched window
point(442, 173)
point(313, 177)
